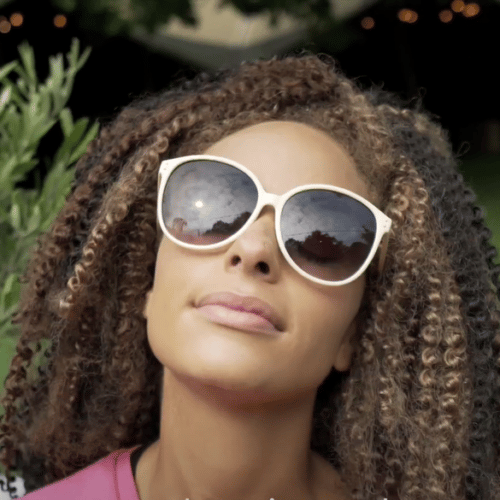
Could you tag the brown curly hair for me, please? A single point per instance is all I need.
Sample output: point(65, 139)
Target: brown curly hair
point(416, 417)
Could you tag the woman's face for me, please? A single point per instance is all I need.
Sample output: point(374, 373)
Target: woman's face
point(318, 322)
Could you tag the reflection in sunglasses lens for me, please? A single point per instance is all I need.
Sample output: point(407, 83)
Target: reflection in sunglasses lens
point(206, 202)
point(328, 235)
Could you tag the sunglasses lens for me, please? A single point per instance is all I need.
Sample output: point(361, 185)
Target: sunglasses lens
point(328, 235)
point(206, 202)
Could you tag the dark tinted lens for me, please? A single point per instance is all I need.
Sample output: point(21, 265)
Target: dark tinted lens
point(206, 202)
point(328, 235)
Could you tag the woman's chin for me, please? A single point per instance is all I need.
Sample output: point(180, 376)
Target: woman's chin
point(239, 391)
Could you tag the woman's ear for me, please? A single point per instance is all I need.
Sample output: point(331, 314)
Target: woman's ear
point(145, 311)
point(343, 358)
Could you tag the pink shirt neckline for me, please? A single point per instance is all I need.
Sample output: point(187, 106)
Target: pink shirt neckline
point(125, 483)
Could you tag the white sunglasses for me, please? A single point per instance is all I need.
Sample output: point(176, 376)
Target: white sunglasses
point(327, 234)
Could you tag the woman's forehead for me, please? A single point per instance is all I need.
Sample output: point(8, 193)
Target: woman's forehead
point(286, 154)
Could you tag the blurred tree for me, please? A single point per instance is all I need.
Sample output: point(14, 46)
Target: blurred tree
point(121, 16)
point(29, 109)
point(114, 17)
point(333, 34)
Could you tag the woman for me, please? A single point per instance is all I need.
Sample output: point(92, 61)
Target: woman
point(269, 284)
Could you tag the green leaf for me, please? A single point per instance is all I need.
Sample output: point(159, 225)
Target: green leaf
point(29, 120)
point(7, 352)
point(15, 216)
point(55, 82)
point(70, 142)
point(45, 102)
point(74, 146)
point(82, 147)
point(5, 98)
point(5, 70)
point(34, 220)
point(75, 61)
point(78, 131)
point(66, 121)
point(41, 130)
point(21, 170)
point(6, 171)
point(9, 295)
point(28, 59)
point(55, 189)
point(15, 95)
point(20, 209)
point(4, 216)
point(7, 249)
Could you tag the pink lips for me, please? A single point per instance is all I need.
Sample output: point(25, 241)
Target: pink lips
point(236, 311)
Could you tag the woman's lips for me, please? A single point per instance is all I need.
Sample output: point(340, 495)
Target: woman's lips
point(237, 318)
point(242, 312)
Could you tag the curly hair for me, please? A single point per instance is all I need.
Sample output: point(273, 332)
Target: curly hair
point(418, 413)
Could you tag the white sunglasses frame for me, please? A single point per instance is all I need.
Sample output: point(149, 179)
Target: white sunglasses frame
point(277, 201)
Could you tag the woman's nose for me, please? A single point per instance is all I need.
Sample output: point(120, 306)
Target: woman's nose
point(256, 252)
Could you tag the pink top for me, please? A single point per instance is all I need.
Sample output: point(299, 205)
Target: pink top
point(110, 478)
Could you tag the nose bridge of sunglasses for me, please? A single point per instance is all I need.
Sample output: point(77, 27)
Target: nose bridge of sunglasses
point(268, 200)
point(268, 203)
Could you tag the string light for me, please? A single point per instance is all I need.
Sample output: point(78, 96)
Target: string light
point(445, 16)
point(457, 6)
point(471, 10)
point(60, 21)
point(16, 19)
point(407, 16)
point(367, 23)
point(5, 26)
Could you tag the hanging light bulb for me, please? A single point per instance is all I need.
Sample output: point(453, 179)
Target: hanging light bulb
point(445, 16)
point(471, 10)
point(60, 21)
point(367, 23)
point(407, 16)
point(16, 19)
point(5, 25)
point(457, 6)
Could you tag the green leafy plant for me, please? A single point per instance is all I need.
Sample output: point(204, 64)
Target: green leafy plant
point(28, 110)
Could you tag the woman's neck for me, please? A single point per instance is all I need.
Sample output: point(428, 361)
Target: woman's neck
point(217, 445)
